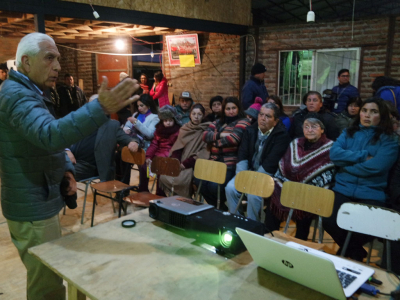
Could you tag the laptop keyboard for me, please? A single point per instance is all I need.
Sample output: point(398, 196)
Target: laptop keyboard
point(345, 278)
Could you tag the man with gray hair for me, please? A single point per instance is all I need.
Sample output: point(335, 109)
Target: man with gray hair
point(32, 159)
point(262, 146)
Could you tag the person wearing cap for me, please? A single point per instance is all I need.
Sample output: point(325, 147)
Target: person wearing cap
point(307, 161)
point(344, 91)
point(216, 109)
point(165, 135)
point(3, 72)
point(262, 146)
point(255, 87)
point(253, 110)
point(313, 102)
point(71, 96)
point(183, 108)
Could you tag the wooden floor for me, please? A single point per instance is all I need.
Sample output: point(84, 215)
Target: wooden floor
point(13, 273)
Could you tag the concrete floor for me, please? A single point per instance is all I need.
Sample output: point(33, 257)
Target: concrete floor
point(13, 273)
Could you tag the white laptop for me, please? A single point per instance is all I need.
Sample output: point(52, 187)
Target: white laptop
point(312, 268)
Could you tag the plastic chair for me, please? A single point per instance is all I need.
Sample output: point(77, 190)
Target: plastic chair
point(115, 186)
point(160, 166)
point(254, 183)
point(372, 220)
point(210, 170)
point(308, 198)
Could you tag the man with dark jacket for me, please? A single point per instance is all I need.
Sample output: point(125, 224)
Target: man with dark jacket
point(313, 103)
point(345, 91)
point(71, 97)
point(262, 146)
point(32, 158)
point(254, 87)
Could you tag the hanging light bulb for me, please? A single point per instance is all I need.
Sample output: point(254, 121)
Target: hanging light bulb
point(311, 14)
point(120, 44)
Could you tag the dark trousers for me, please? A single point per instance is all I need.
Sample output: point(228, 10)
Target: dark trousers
point(209, 190)
point(84, 170)
point(355, 249)
point(302, 226)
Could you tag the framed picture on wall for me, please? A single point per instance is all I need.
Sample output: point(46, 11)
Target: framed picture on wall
point(184, 44)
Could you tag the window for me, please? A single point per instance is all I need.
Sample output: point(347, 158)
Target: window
point(304, 70)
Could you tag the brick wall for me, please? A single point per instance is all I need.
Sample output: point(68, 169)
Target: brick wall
point(371, 35)
point(218, 73)
point(82, 65)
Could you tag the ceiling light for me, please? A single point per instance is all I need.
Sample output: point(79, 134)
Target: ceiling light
point(120, 44)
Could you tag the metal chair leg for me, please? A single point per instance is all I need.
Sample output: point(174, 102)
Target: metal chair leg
point(239, 203)
point(369, 252)
point(94, 206)
point(320, 230)
point(112, 202)
point(64, 209)
point(288, 220)
point(198, 192)
point(315, 229)
point(388, 256)
point(346, 243)
point(84, 200)
point(218, 199)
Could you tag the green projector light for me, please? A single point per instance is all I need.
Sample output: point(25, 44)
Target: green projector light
point(226, 239)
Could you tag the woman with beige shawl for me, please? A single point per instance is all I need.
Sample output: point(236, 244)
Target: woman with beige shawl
point(188, 147)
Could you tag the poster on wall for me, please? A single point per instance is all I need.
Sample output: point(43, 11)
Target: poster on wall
point(185, 44)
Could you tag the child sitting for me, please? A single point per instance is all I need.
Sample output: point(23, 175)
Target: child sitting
point(166, 133)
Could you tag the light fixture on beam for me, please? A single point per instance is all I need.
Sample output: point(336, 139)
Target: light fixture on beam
point(120, 44)
point(310, 15)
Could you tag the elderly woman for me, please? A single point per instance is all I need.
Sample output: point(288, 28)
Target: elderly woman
point(188, 147)
point(364, 154)
point(346, 117)
point(223, 137)
point(306, 161)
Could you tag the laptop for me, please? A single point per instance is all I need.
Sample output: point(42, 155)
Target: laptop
point(309, 267)
point(181, 205)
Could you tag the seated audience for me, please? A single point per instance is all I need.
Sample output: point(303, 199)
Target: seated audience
point(282, 116)
point(262, 146)
point(314, 105)
point(306, 161)
point(364, 154)
point(165, 135)
point(252, 112)
point(143, 122)
point(223, 136)
point(346, 117)
point(188, 147)
point(183, 108)
point(159, 91)
point(94, 155)
point(216, 109)
point(388, 89)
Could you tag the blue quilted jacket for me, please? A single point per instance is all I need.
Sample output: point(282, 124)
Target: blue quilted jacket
point(32, 142)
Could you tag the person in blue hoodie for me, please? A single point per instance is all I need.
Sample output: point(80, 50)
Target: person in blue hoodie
point(364, 153)
point(388, 89)
point(254, 87)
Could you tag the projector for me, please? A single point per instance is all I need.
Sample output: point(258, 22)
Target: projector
point(204, 223)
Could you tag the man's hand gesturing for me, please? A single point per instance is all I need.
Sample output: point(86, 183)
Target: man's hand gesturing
point(118, 97)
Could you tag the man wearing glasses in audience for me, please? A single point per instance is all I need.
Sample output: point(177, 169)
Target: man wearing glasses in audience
point(344, 91)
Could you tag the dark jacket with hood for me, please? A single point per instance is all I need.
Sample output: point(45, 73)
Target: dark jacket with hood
point(253, 88)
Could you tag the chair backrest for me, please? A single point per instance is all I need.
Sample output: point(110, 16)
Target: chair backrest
point(210, 170)
point(166, 166)
point(137, 158)
point(369, 219)
point(308, 198)
point(254, 183)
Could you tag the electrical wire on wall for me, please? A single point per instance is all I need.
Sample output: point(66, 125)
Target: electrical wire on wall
point(352, 20)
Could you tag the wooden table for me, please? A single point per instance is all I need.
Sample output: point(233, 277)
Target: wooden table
point(150, 261)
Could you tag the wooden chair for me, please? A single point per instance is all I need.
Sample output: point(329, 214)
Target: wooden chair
point(372, 220)
point(160, 166)
point(210, 170)
point(254, 183)
point(115, 186)
point(308, 198)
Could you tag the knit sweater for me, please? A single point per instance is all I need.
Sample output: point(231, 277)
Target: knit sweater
point(225, 149)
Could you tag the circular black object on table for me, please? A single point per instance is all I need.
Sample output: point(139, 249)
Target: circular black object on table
point(128, 223)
